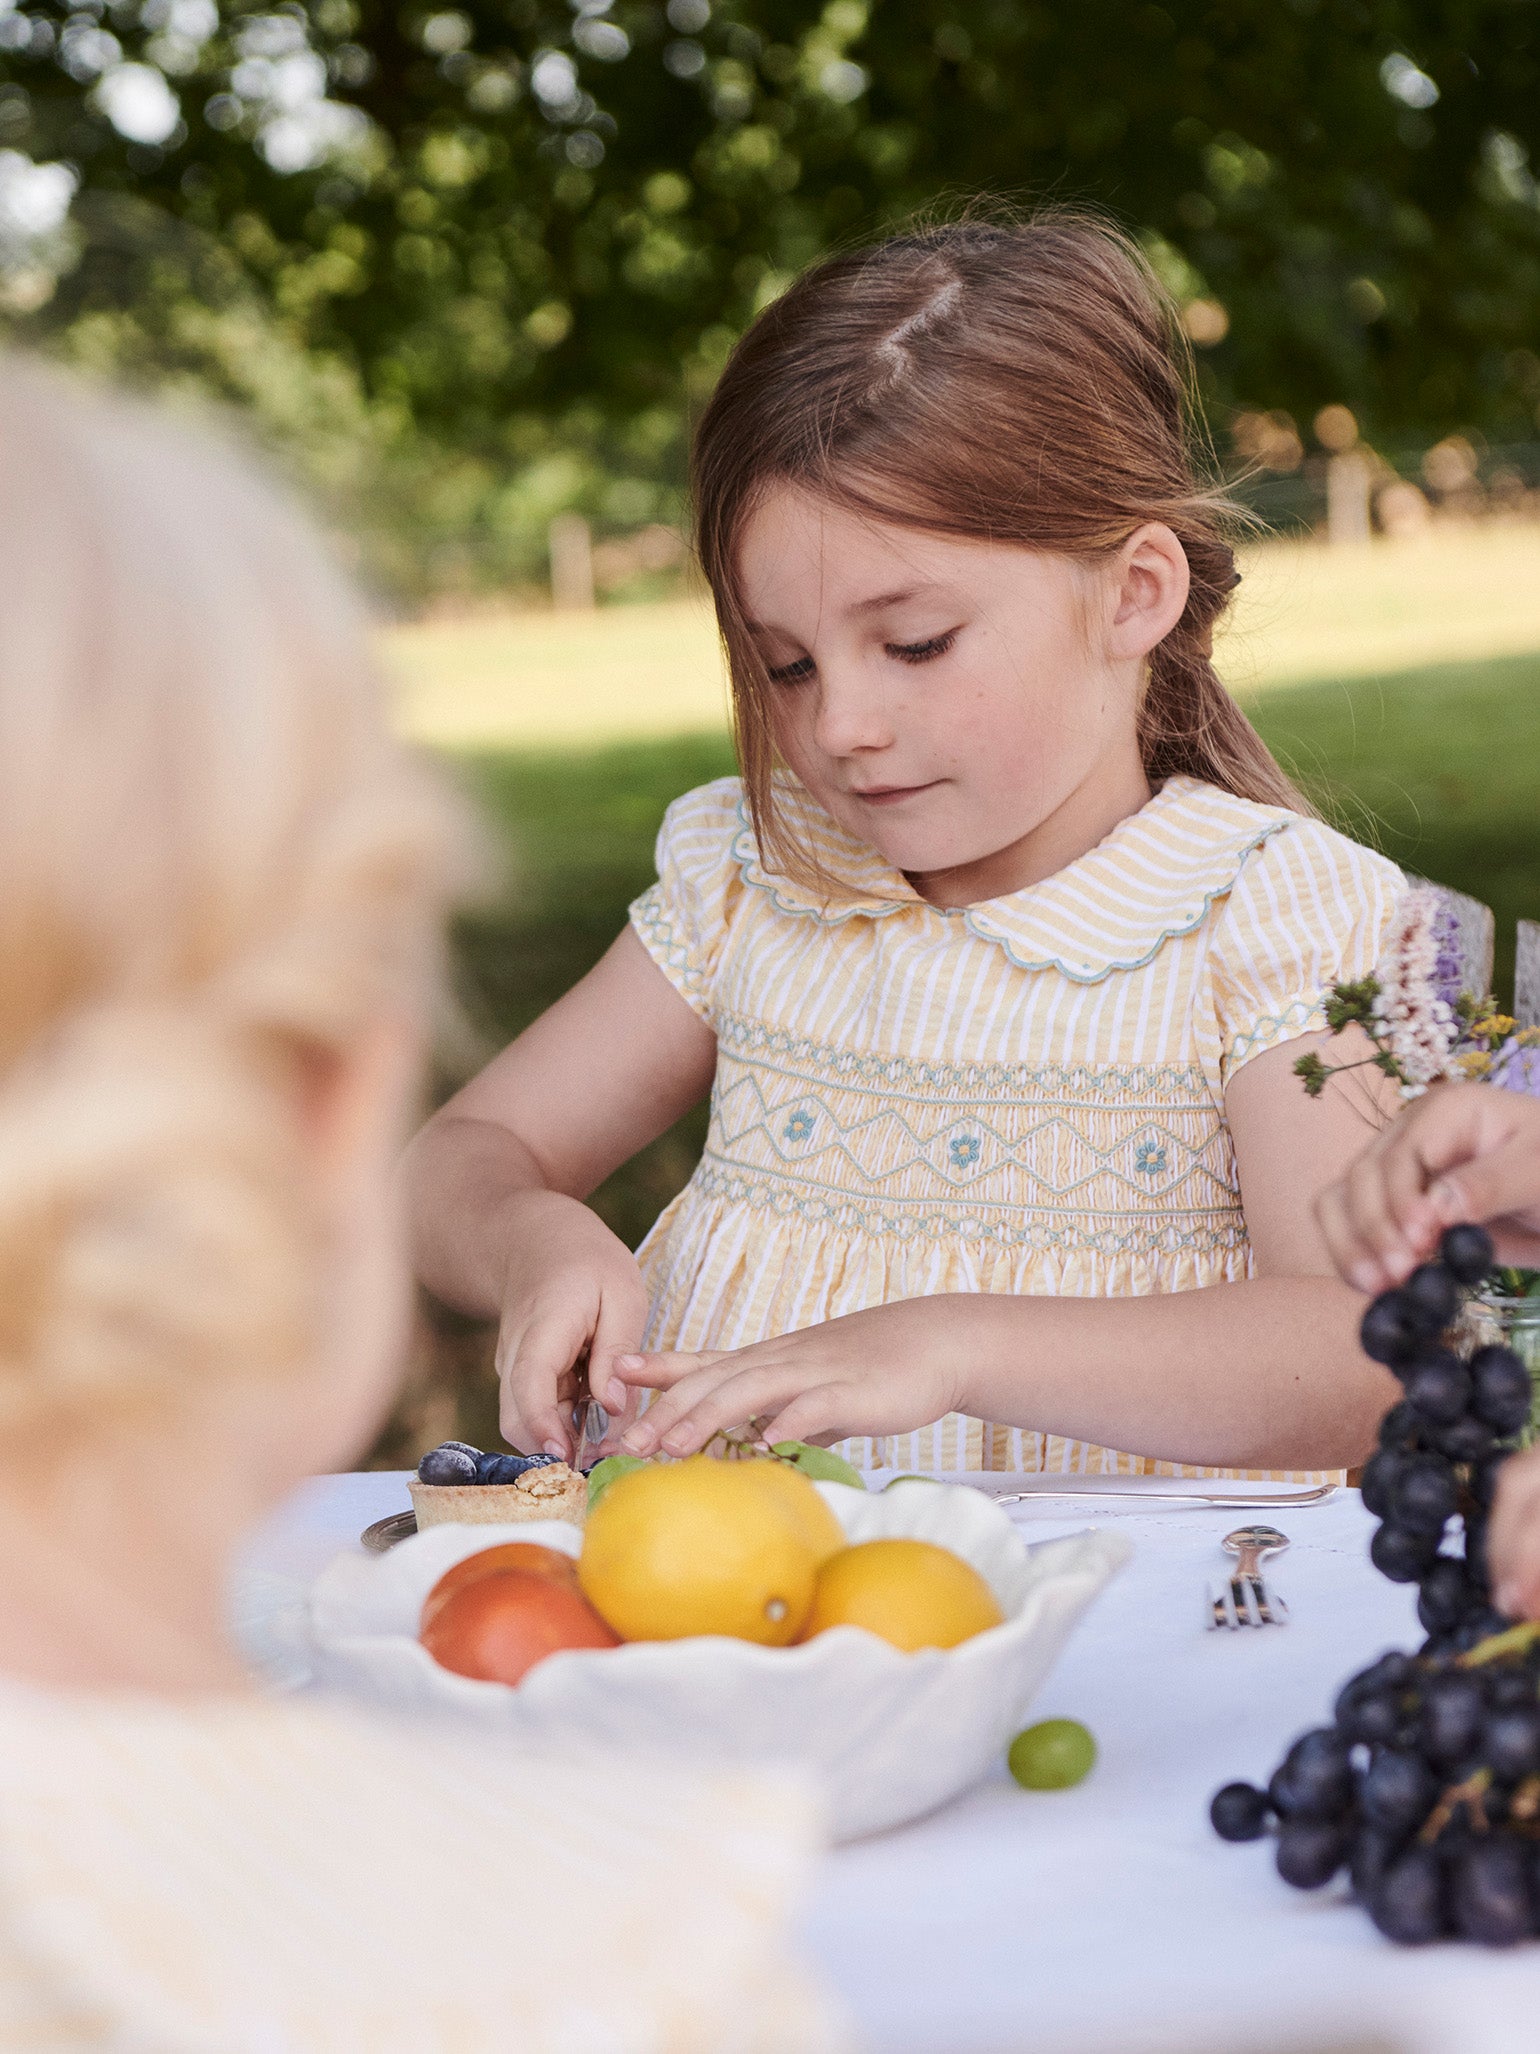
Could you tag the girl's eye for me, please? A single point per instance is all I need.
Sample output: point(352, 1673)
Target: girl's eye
point(791, 673)
point(922, 652)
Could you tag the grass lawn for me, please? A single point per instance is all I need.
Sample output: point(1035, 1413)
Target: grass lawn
point(1438, 765)
point(1303, 612)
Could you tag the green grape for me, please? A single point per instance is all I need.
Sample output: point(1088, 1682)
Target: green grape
point(892, 1480)
point(821, 1464)
point(604, 1473)
point(1055, 1754)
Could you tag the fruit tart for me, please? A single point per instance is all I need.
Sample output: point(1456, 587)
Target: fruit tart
point(459, 1485)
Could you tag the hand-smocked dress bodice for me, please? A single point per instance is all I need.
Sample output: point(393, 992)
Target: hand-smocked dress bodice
point(1025, 1095)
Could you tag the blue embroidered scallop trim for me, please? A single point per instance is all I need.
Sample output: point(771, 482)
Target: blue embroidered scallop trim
point(745, 852)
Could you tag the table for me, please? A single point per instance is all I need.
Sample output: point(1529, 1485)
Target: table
point(1106, 1919)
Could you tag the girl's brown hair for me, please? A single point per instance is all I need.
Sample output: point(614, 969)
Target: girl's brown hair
point(1023, 382)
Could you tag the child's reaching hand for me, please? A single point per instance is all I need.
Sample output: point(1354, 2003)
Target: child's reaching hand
point(1462, 1152)
point(571, 1289)
point(883, 1371)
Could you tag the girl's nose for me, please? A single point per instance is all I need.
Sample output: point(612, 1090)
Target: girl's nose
point(852, 713)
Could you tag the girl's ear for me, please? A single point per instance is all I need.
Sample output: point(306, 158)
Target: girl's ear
point(1150, 580)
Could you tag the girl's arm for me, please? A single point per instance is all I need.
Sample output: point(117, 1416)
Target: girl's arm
point(495, 1179)
point(1262, 1374)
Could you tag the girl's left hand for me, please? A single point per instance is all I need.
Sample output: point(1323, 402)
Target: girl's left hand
point(884, 1371)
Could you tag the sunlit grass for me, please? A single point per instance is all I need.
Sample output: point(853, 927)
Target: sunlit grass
point(1303, 611)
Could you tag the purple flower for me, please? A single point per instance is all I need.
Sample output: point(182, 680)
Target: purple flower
point(1445, 977)
point(1516, 1068)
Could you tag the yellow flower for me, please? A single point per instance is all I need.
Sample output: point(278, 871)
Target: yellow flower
point(1494, 1027)
point(1528, 1037)
point(1475, 1063)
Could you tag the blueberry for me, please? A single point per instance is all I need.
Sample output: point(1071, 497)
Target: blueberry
point(539, 1461)
point(505, 1469)
point(1452, 1711)
point(1408, 1904)
point(485, 1464)
point(464, 1447)
point(1437, 1384)
point(1310, 1851)
point(1490, 1893)
point(1503, 1394)
point(1239, 1812)
point(1400, 1554)
point(1391, 1329)
point(1510, 1745)
point(1466, 1252)
point(1398, 1791)
point(1425, 1495)
point(447, 1465)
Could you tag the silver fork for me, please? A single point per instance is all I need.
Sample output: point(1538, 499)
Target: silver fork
point(1245, 1599)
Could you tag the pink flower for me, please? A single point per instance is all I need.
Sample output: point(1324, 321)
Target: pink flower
point(1417, 1025)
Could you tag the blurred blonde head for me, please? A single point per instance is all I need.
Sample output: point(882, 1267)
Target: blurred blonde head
point(217, 872)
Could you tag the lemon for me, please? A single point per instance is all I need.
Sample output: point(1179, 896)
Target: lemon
point(909, 1592)
point(702, 1546)
point(790, 1487)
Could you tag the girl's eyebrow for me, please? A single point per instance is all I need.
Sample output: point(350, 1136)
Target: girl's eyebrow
point(886, 599)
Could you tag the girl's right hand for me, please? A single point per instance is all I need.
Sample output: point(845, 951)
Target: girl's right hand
point(570, 1286)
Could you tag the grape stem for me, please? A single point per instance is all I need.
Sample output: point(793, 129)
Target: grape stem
point(1469, 1793)
point(1513, 1640)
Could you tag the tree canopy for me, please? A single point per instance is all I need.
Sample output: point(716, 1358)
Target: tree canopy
point(519, 236)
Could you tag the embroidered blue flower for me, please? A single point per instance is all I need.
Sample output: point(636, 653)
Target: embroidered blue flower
point(798, 1127)
point(1150, 1159)
point(964, 1150)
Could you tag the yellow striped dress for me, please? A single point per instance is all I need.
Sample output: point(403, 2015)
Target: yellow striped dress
point(1024, 1095)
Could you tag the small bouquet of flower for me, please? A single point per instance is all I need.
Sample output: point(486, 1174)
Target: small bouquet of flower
point(1423, 1026)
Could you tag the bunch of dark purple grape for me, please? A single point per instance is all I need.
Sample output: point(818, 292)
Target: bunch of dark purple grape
point(1426, 1788)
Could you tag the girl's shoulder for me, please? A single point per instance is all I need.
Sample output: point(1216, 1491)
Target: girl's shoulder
point(1247, 851)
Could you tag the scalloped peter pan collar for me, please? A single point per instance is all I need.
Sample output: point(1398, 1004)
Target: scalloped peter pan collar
point(1154, 877)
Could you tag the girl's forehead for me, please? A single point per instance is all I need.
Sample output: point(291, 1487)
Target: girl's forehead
point(800, 550)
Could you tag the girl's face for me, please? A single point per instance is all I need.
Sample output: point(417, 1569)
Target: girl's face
point(966, 708)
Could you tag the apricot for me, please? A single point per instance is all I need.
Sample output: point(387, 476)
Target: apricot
point(527, 1556)
point(500, 1625)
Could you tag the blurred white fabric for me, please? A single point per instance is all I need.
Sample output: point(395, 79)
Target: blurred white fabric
point(1107, 1919)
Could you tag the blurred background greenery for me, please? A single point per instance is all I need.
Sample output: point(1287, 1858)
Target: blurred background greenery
point(467, 266)
point(468, 269)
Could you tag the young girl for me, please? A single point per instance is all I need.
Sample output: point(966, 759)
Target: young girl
point(997, 959)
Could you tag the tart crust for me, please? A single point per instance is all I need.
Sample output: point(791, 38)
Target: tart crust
point(555, 1492)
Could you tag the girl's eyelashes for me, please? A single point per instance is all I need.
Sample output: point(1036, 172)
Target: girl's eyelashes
point(922, 652)
point(790, 673)
point(906, 652)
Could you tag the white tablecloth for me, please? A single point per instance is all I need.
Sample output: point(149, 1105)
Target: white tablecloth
point(1106, 1919)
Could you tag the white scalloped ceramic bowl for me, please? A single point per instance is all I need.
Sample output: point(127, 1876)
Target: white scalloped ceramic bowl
point(888, 1735)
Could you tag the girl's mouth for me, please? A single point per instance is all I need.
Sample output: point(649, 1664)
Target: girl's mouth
point(891, 795)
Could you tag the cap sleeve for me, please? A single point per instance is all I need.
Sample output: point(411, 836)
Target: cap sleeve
point(682, 920)
point(1308, 909)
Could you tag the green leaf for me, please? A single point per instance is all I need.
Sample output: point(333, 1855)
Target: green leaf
point(821, 1464)
point(604, 1473)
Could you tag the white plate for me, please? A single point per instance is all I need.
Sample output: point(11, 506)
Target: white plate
point(888, 1735)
